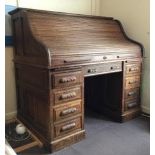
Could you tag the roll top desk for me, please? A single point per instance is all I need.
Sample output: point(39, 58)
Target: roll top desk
point(65, 63)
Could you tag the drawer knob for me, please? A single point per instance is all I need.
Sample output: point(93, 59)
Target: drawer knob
point(68, 127)
point(92, 70)
point(68, 111)
point(104, 57)
point(67, 96)
point(114, 67)
point(133, 104)
point(132, 82)
point(68, 79)
point(133, 69)
point(131, 93)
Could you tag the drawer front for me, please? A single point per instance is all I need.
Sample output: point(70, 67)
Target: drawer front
point(132, 94)
point(131, 104)
point(67, 95)
point(68, 110)
point(133, 68)
point(132, 82)
point(67, 127)
point(67, 79)
point(102, 68)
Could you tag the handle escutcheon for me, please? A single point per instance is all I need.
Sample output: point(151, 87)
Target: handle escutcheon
point(67, 96)
point(132, 82)
point(68, 111)
point(131, 105)
point(133, 69)
point(114, 67)
point(67, 79)
point(131, 93)
point(92, 70)
point(68, 127)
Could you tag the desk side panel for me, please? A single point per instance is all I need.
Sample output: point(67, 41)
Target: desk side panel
point(27, 48)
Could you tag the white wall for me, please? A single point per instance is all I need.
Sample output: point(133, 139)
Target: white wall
point(10, 93)
point(134, 15)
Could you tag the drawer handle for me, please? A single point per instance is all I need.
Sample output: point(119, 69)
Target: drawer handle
point(133, 104)
point(68, 111)
point(68, 127)
point(131, 93)
point(132, 82)
point(67, 96)
point(114, 67)
point(133, 69)
point(67, 79)
point(92, 70)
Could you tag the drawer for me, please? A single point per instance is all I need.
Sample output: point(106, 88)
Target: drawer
point(131, 104)
point(67, 127)
point(69, 109)
point(67, 79)
point(132, 94)
point(132, 82)
point(68, 94)
point(102, 68)
point(133, 68)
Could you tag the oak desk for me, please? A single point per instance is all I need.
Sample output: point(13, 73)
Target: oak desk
point(65, 60)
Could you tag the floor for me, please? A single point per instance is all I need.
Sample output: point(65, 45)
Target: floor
point(105, 137)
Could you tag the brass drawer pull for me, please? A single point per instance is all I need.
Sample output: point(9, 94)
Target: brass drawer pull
point(133, 104)
point(67, 79)
point(68, 111)
point(132, 82)
point(131, 93)
point(114, 67)
point(68, 127)
point(91, 70)
point(133, 69)
point(67, 96)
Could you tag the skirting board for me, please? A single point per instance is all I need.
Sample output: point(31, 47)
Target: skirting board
point(10, 115)
point(145, 109)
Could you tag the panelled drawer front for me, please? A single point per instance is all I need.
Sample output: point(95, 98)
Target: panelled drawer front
point(102, 68)
point(132, 93)
point(67, 127)
point(67, 79)
point(69, 109)
point(67, 95)
point(132, 82)
point(131, 104)
point(133, 68)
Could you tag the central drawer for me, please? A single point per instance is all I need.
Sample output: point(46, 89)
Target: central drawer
point(102, 68)
point(67, 127)
point(67, 110)
point(68, 94)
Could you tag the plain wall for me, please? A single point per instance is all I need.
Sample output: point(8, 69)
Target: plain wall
point(134, 15)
